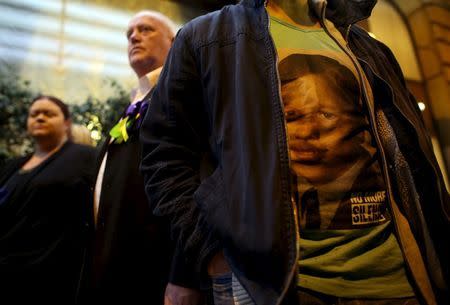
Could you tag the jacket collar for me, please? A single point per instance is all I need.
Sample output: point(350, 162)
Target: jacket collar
point(345, 12)
point(253, 3)
point(340, 12)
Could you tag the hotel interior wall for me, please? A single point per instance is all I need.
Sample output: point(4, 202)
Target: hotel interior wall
point(418, 33)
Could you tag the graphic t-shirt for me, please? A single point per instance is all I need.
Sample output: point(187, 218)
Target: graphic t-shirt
point(347, 247)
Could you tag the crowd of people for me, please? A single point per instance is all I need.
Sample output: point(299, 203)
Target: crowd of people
point(270, 154)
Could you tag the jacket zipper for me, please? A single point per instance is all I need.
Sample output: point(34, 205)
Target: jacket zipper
point(293, 271)
point(374, 126)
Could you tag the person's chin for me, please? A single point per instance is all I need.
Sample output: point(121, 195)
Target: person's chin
point(135, 59)
point(39, 134)
point(314, 173)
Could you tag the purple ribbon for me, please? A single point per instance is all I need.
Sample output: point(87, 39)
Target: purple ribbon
point(142, 111)
point(133, 109)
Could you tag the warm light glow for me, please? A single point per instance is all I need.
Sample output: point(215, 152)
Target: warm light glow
point(421, 106)
point(390, 28)
point(95, 135)
point(372, 35)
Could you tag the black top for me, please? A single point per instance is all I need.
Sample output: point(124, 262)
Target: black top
point(19, 178)
point(43, 225)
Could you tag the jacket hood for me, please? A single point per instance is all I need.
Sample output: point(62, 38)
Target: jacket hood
point(340, 12)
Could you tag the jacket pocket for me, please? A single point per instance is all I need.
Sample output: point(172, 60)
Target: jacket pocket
point(212, 200)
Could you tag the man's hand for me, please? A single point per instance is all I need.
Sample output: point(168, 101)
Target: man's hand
point(218, 265)
point(178, 295)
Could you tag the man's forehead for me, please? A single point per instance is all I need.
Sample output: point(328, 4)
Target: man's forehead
point(144, 18)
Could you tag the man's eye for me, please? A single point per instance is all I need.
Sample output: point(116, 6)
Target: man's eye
point(327, 115)
point(146, 29)
point(293, 115)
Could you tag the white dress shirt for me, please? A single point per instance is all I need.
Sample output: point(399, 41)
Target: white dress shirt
point(146, 83)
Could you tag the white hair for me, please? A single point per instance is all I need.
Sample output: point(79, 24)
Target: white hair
point(166, 21)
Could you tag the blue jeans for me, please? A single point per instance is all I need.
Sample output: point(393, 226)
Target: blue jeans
point(228, 291)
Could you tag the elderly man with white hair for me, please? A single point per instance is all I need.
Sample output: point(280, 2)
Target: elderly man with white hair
point(132, 253)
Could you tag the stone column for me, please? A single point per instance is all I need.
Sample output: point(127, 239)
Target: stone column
point(429, 22)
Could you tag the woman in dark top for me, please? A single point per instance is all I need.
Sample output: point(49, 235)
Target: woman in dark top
point(44, 219)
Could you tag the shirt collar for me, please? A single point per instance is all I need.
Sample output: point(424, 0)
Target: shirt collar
point(146, 83)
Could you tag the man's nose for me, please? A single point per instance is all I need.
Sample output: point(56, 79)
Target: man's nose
point(308, 128)
point(135, 37)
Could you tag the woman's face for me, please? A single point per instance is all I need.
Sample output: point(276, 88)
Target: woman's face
point(46, 121)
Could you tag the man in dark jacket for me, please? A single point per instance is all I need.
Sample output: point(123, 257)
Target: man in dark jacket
point(292, 161)
point(132, 249)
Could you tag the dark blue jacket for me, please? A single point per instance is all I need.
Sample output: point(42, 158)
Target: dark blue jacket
point(217, 106)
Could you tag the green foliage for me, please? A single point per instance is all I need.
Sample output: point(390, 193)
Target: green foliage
point(100, 116)
point(15, 97)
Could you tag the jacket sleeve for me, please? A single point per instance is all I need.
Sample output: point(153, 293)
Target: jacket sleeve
point(173, 136)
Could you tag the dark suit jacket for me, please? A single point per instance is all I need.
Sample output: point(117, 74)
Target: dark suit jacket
point(131, 246)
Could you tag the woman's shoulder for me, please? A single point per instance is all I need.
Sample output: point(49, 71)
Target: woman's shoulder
point(18, 160)
point(11, 166)
point(81, 149)
point(84, 155)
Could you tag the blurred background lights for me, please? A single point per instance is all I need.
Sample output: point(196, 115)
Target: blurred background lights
point(95, 135)
point(421, 106)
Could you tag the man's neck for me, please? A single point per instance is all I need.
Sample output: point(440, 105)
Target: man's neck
point(145, 84)
point(292, 11)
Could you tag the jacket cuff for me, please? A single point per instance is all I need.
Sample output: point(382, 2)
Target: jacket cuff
point(189, 269)
point(182, 272)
